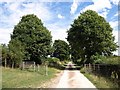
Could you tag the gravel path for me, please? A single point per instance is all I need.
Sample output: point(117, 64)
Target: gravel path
point(53, 82)
point(70, 79)
point(74, 79)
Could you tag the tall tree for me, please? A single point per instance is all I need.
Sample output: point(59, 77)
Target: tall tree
point(91, 34)
point(5, 51)
point(16, 52)
point(61, 50)
point(35, 38)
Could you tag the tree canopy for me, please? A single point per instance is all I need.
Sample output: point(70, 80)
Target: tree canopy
point(61, 50)
point(90, 34)
point(34, 37)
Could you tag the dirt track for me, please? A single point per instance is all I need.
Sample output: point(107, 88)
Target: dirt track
point(71, 79)
point(74, 79)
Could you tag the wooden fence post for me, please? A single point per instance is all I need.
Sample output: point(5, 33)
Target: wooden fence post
point(38, 67)
point(98, 68)
point(89, 68)
point(46, 69)
point(94, 67)
point(12, 65)
point(34, 66)
point(5, 62)
point(85, 67)
point(98, 71)
point(23, 65)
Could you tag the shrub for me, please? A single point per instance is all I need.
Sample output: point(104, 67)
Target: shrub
point(99, 59)
point(53, 60)
point(82, 70)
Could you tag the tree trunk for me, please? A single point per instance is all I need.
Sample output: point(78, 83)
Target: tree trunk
point(12, 65)
point(5, 62)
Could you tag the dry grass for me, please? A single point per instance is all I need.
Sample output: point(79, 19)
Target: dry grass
point(15, 78)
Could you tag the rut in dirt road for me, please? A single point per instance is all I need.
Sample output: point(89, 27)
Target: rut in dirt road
point(74, 79)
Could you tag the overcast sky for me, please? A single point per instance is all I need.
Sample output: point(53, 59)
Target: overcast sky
point(57, 15)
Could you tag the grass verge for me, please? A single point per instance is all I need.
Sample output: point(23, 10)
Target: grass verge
point(99, 81)
point(16, 78)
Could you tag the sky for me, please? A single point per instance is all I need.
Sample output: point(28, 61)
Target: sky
point(57, 15)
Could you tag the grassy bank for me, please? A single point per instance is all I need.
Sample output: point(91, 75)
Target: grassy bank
point(16, 78)
point(99, 81)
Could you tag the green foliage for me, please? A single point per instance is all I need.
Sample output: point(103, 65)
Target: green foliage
point(109, 60)
point(16, 52)
point(99, 59)
point(53, 60)
point(61, 50)
point(35, 38)
point(90, 34)
point(82, 70)
point(5, 53)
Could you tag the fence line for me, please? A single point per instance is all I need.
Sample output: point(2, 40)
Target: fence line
point(106, 70)
point(31, 66)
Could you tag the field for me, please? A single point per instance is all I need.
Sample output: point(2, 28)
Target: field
point(16, 78)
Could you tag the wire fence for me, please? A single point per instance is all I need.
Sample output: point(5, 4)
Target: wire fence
point(33, 67)
point(109, 71)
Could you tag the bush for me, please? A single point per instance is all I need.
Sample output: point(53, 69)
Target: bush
point(53, 60)
point(82, 70)
point(99, 59)
point(112, 60)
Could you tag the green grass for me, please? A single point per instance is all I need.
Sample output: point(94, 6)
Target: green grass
point(16, 78)
point(99, 81)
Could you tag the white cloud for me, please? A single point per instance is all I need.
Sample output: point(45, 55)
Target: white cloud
point(39, 9)
point(74, 6)
point(115, 33)
point(113, 24)
point(57, 31)
point(5, 35)
point(100, 7)
point(115, 52)
point(104, 13)
point(14, 6)
point(60, 16)
point(116, 14)
point(114, 1)
point(9, 1)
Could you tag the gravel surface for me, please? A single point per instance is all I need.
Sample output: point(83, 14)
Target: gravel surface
point(69, 79)
point(53, 82)
point(74, 79)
